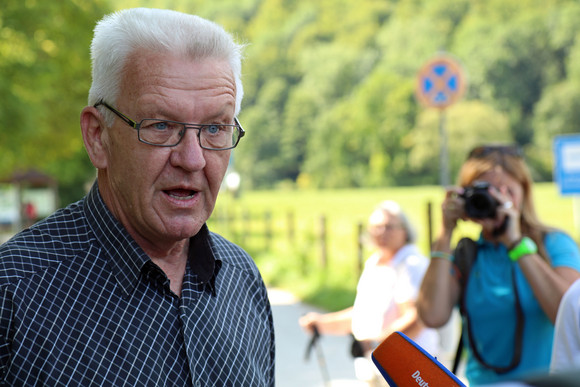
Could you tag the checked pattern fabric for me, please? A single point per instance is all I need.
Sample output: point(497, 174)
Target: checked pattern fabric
point(82, 304)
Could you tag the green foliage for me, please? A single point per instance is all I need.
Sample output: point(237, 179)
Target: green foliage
point(468, 124)
point(345, 115)
point(329, 85)
point(45, 76)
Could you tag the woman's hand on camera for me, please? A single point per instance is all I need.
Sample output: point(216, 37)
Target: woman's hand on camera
point(453, 208)
point(507, 219)
point(510, 210)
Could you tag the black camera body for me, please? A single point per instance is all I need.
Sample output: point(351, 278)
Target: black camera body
point(479, 204)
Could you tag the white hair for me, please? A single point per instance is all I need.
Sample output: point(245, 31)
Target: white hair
point(393, 208)
point(123, 33)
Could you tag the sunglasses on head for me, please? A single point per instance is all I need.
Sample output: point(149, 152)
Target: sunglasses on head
point(485, 150)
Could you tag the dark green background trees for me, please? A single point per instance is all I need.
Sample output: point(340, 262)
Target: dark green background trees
point(329, 85)
point(44, 81)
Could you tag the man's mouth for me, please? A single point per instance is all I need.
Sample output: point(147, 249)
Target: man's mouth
point(181, 194)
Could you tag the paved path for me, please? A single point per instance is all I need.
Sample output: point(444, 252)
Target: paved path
point(291, 342)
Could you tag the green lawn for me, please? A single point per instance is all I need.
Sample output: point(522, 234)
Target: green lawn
point(296, 263)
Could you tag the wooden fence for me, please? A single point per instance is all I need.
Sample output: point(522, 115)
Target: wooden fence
point(264, 231)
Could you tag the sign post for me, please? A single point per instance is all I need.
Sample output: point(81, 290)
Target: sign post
point(441, 83)
point(567, 169)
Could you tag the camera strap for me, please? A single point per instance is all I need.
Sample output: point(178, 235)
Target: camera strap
point(465, 255)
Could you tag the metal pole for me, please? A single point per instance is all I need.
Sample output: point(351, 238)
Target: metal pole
point(360, 247)
point(576, 212)
point(444, 154)
point(430, 225)
point(323, 247)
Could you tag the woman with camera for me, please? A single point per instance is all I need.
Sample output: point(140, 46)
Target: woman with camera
point(510, 288)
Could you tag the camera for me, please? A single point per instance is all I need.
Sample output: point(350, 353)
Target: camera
point(479, 203)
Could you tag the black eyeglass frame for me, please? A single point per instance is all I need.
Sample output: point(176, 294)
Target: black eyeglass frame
point(137, 126)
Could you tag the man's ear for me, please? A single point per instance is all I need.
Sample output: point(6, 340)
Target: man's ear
point(94, 133)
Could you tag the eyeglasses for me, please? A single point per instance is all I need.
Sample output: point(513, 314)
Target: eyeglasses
point(485, 150)
point(168, 133)
point(380, 228)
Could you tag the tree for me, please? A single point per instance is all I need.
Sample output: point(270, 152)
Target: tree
point(557, 113)
point(508, 52)
point(44, 81)
point(468, 124)
point(328, 84)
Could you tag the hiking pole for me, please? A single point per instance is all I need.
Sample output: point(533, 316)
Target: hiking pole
point(314, 344)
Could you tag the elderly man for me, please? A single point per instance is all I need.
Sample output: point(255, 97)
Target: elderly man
point(128, 286)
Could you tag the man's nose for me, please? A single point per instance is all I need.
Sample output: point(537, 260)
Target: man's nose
point(189, 154)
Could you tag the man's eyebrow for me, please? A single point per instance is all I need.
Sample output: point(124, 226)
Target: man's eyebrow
point(164, 114)
point(156, 112)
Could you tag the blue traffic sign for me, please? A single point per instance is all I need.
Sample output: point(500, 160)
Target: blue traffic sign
point(567, 163)
point(440, 82)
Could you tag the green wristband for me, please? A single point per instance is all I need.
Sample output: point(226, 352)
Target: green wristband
point(524, 247)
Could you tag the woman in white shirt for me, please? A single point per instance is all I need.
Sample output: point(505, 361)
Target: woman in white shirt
point(386, 291)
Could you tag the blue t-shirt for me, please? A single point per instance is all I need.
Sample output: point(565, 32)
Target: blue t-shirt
point(492, 312)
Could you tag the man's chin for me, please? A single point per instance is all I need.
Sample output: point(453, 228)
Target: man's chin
point(180, 225)
point(184, 230)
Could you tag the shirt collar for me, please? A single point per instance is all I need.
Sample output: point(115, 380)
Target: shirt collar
point(127, 258)
point(200, 255)
point(482, 242)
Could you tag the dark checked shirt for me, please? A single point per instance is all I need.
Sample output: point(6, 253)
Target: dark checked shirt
point(81, 304)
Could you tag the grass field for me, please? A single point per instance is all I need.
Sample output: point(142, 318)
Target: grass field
point(296, 264)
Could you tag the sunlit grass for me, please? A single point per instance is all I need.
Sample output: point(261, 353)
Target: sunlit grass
point(296, 263)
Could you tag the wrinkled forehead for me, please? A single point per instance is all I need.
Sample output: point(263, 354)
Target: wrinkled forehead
point(149, 69)
point(178, 89)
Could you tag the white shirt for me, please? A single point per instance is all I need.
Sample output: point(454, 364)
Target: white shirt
point(566, 348)
point(381, 288)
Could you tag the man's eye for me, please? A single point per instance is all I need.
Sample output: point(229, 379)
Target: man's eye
point(160, 125)
point(212, 129)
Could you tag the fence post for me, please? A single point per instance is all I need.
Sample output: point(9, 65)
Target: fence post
point(323, 249)
point(268, 229)
point(290, 225)
point(246, 220)
point(429, 226)
point(359, 241)
point(231, 222)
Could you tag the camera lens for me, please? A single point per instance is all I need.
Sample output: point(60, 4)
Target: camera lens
point(479, 203)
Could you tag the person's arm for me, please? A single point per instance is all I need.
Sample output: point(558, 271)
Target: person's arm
point(334, 323)
point(439, 290)
point(408, 323)
point(548, 284)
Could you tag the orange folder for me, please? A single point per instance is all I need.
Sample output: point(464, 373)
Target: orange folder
point(403, 363)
